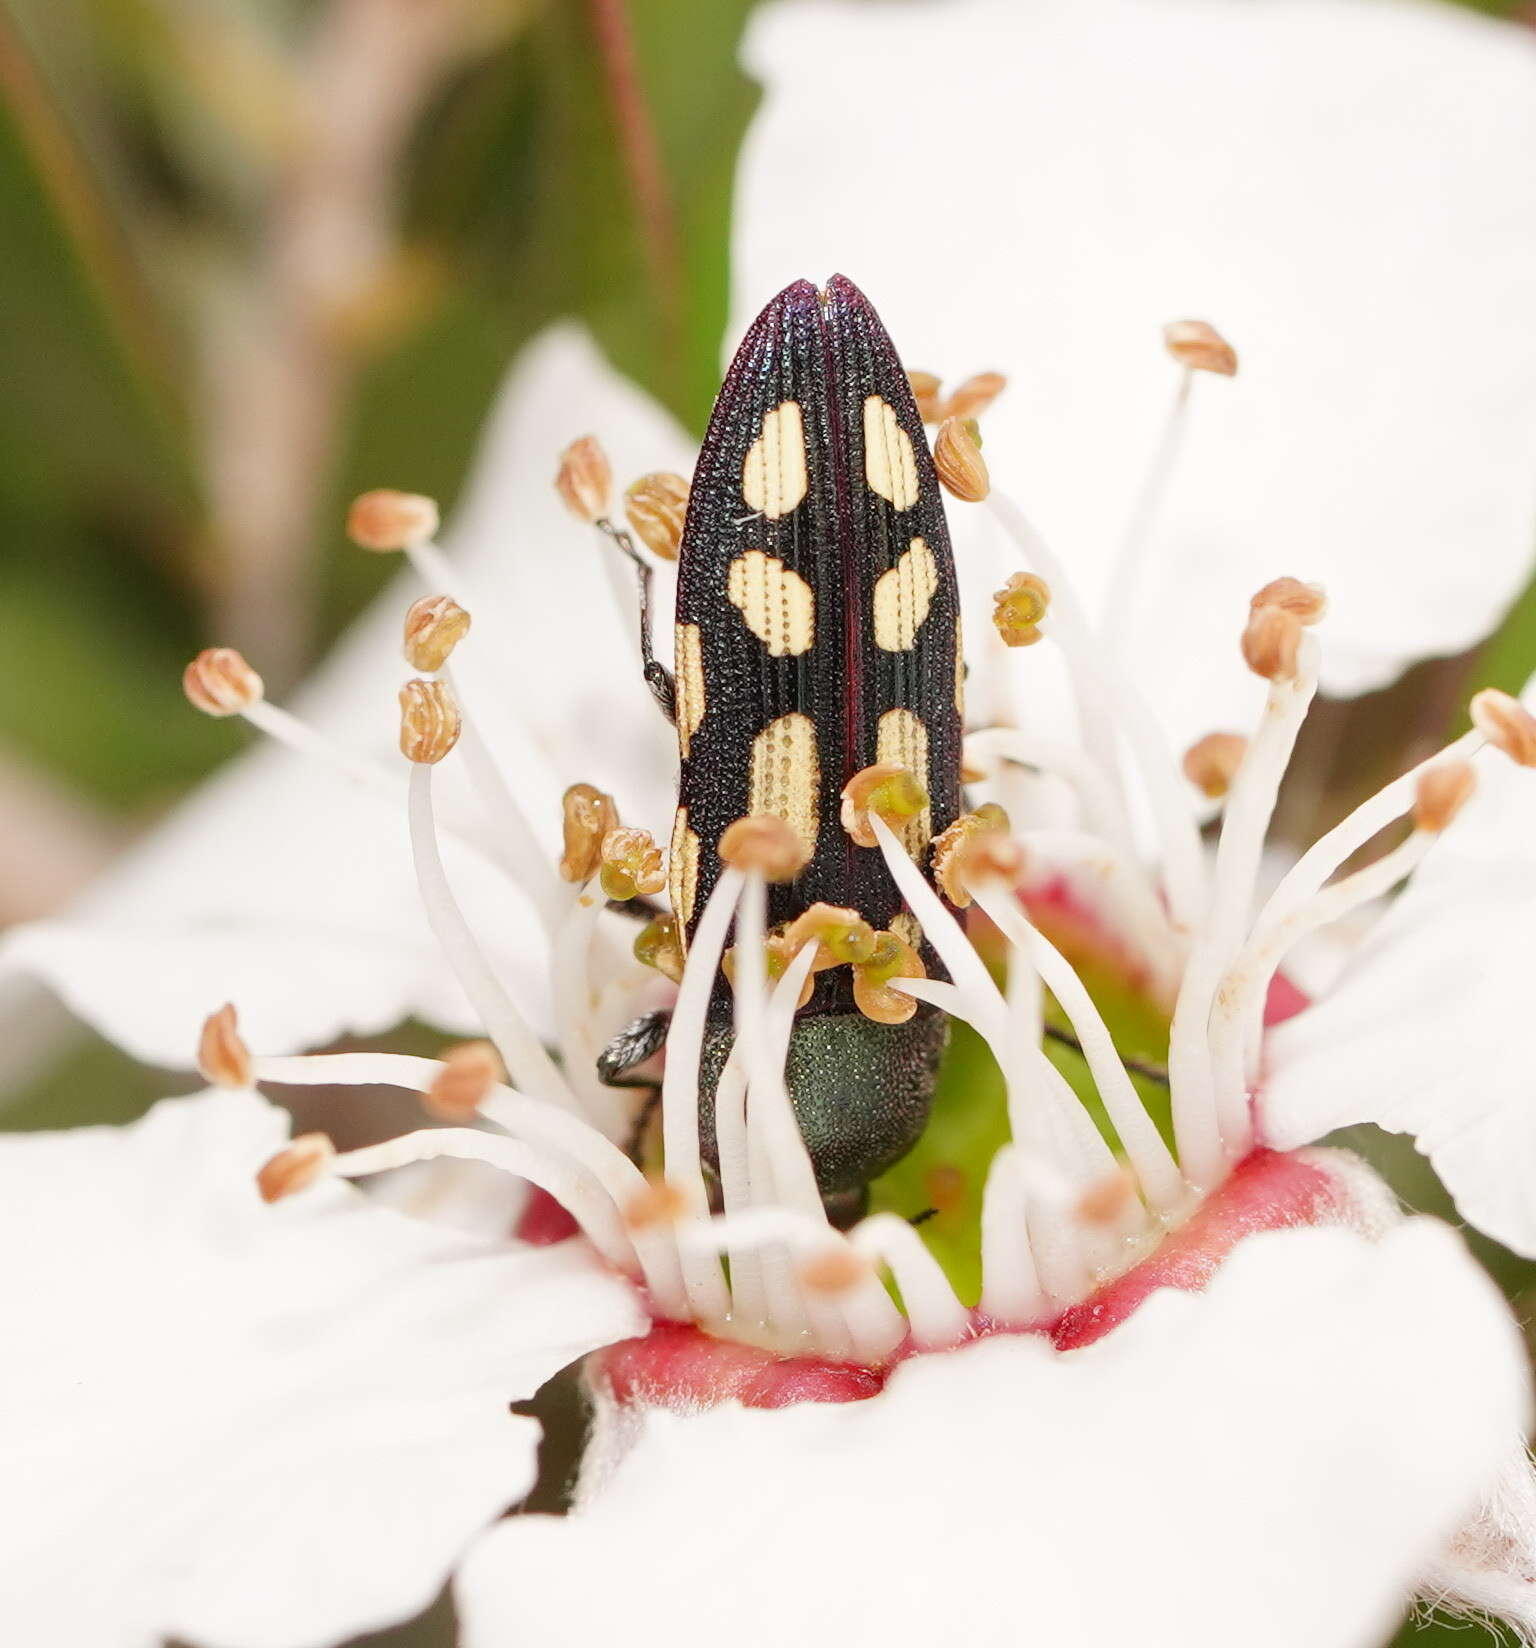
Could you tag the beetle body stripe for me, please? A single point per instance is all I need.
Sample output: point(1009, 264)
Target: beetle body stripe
point(815, 571)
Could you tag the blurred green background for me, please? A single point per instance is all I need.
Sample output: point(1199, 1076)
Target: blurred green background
point(259, 255)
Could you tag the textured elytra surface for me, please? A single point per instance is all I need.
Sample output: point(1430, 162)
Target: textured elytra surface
point(803, 522)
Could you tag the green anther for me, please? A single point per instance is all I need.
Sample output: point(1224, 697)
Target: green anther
point(618, 883)
point(973, 429)
point(849, 941)
point(899, 796)
point(887, 957)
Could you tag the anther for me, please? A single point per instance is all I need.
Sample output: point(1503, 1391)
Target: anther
point(888, 790)
point(587, 817)
point(1199, 346)
point(833, 1270)
point(1211, 763)
point(658, 945)
point(471, 1072)
point(429, 721)
point(434, 626)
point(844, 935)
point(1018, 607)
point(1107, 1200)
point(893, 958)
point(222, 1057)
point(945, 1186)
point(957, 457)
point(765, 843)
point(777, 955)
point(948, 848)
point(1506, 724)
point(220, 682)
point(656, 506)
point(295, 1168)
point(1271, 640)
point(1442, 791)
point(975, 395)
point(631, 864)
point(585, 479)
point(659, 1204)
point(925, 391)
point(386, 520)
point(987, 855)
point(1306, 603)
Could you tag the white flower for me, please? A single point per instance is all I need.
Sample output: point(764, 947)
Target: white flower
point(252, 1426)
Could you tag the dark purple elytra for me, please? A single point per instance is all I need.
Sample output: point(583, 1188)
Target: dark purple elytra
point(817, 633)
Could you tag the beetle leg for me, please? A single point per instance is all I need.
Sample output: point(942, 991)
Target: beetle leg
point(657, 676)
point(635, 1043)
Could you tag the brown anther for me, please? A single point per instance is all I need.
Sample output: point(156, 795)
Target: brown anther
point(470, 1072)
point(585, 479)
point(1442, 791)
point(657, 1205)
point(893, 958)
point(1104, 1202)
point(945, 1187)
point(1018, 607)
point(1199, 346)
point(220, 682)
point(296, 1167)
point(765, 843)
point(777, 956)
point(986, 855)
point(222, 1058)
point(975, 395)
point(434, 626)
point(833, 1270)
point(843, 936)
point(887, 789)
point(972, 772)
point(957, 457)
point(1271, 641)
point(587, 817)
point(659, 944)
point(1506, 724)
point(386, 520)
point(949, 845)
point(656, 506)
point(925, 391)
point(1211, 763)
point(429, 721)
point(631, 864)
point(1306, 603)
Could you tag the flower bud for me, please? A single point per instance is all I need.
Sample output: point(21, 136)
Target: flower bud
point(631, 864)
point(957, 457)
point(295, 1168)
point(892, 958)
point(385, 520)
point(585, 479)
point(1507, 724)
point(222, 1057)
point(429, 721)
point(1271, 642)
point(1018, 607)
point(433, 628)
point(471, 1071)
point(1306, 603)
point(975, 395)
point(1442, 791)
point(888, 790)
point(220, 682)
point(1200, 347)
point(925, 391)
point(764, 842)
point(587, 817)
point(656, 506)
point(1211, 763)
point(948, 846)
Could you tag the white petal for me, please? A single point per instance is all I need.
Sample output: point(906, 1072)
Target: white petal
point(280, 888)
point(1428, 1031)
point(252, 1426)
point(1272, 1462)
point(1055, 180)
point(1489, 1568)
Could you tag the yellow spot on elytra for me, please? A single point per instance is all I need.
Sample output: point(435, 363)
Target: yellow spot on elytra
point(959, 671)
point(683, 872)
point(786, 775)
point(890, 465)
point(778, 605)
point(773, 478)
point(907, 928)
point(903, 596)
point(901, 737)
point(690, 684)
